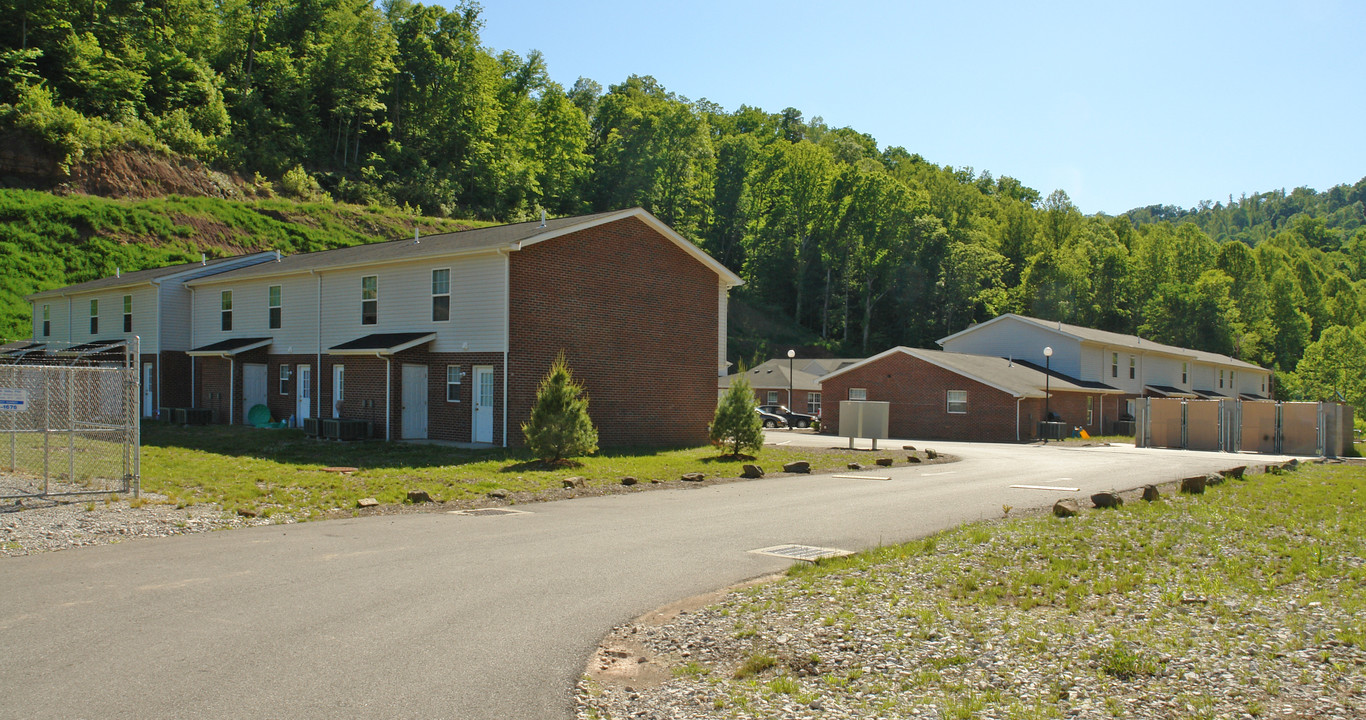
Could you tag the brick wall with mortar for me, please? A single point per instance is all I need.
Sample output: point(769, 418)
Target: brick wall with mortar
point(175, 380)
point(283, 405)
point(637, 319)
point(364, 392)
point(918, 393)
point(213, 384)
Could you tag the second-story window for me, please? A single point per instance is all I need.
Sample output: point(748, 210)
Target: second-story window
point(369, 300)
point(225, 310)
point(128, 313)
point(47, 320)
point(1184, 368)
point(1231, 384)
point(441, 295)
point(94, 317)
point(1132, 365)
point(1221, 379)
point(1114, 365)
point(275, 311)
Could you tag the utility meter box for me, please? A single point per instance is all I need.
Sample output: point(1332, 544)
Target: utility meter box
point(864, 419)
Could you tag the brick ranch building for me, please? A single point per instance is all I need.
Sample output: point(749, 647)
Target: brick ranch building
point(937, 395)
point(448, 336)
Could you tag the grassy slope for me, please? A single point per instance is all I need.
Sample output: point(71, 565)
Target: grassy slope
point(49, 241)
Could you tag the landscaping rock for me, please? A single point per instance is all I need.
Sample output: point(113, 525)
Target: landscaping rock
point(800, 466)
point(575, 482)
point(855, 466)
point(1213, 479)
point(367, 503)
point(628, 481)
point(1150, 493)
point(1234, 472)
point(419, 496)
point(247, 512)
point(694, 477)
point(751, 472)
point(1194, 485)
point(1107, 500)
point(497, 494)
point(1293, 464)
point(910, 448)
point(930, 453)
point(1065, 508)
point(912, 458)
point(884, 462)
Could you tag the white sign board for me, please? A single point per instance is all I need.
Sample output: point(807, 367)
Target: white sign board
point(864, 419)
point(13, 399)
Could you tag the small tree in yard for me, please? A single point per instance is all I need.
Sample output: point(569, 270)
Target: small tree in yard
point(736, 425)
point(559, 427)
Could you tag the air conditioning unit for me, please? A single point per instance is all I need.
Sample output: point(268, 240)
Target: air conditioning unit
point(196, 416)
point(311, 427)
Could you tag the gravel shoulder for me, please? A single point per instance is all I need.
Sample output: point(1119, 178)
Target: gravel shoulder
point(1164, 610)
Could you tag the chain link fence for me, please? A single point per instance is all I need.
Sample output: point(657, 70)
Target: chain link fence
point(69, 419)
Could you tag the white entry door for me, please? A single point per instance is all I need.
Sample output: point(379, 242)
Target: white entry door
point(303, 391)
point(414, 402)
point(253, 387)
point(483, 404)
point(338, 389)
point(147, 409)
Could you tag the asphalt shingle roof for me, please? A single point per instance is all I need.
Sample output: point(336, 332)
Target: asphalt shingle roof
point(1133, 341)
point(1015, 377)
point(136, 277)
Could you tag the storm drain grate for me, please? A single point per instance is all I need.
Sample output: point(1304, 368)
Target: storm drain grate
point(801, 552)
point(489, 511)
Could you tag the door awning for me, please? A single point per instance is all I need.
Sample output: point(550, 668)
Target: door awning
point(229, 348)
point(382, 343)
point(1168, 391)
point(1211, 395)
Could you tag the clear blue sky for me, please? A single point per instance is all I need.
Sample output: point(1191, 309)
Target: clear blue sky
point(1120, 105)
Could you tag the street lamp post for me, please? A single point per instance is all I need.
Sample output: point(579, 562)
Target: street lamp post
point(1047, 395)
point(790, 354)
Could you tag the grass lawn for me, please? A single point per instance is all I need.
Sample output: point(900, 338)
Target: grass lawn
point(280, 471)
point(1248, 601)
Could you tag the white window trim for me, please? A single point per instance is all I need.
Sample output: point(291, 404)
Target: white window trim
point(858, 393)
point(813, 403)
point(225, 313)
point(47, 320)
point(279, 304)
point(446, 294)
point(772, 397)
point(374, 300)
point(949, 402)
point(95, 316)
point(285, 377)
point(128, 313)
point(459, 377)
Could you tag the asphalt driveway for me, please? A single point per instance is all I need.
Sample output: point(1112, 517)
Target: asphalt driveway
point(443, 615)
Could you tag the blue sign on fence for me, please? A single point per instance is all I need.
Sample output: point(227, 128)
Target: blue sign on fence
point(13, 399)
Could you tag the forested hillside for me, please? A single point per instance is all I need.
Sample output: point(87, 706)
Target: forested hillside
point(862, 246)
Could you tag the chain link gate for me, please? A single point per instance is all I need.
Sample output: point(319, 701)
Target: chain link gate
point(69, 419)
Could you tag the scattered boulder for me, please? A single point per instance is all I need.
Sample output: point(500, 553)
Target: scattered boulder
point(912, 458)
point(1065, 508)
point(855, 466)
point(367, 503)
point(628, 481)
point(251, 512)
point(1194, 485)
point(930, 453)
point(1293, 464)
point(884, 462)
point(800, 466)
point(1236, 473)
point(419, 496)
point(1107, 499)
point(497, 494)
point(1213, 479)
point(1150, 493)
point(751, 472)
point(910, 448)
point(694, 477)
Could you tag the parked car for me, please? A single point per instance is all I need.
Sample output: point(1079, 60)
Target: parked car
point(771, 420)
point(794, 419)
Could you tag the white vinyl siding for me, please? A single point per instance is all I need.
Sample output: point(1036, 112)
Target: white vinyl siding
point(1021, 340)
point(298, 331)
point(110, 305)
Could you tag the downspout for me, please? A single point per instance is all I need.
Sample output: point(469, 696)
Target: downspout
point(1017, 418)
point(388, 383)
point(232, 389)
point(507, 331)
point(318, 393)
point(156, 409)
point(194, 399)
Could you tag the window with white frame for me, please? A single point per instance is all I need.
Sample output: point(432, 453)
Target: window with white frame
point(1263, 383)
point(1114, 364)
point(284, 379)
point(128, 313)
point(1089, 409)
point(1232, 382)
point(1221, 379)
point(1184, 368)
point(369, 300)
point(1133, 363)
point(453, 378)
point(858, 393)
point(441, 295)
point(772, 397)
point(813, 403)
point(94, 317)
point(225, 310)
point(47, 320)
point(957, 402)
point(276, 310)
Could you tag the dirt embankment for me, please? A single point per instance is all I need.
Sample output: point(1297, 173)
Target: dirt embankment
point(125, 173)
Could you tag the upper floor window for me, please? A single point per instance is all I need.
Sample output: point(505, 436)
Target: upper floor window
point(275, 311)
point(1184, 368)
point(441, 295)
point(813, 403)
point(47, 320)
point(225, 308)
point(1132, 364)
point(1231, 382)
point(369, 300)
point(958, 402)
point(94, 317)
point(1221, 379)
point(1114, 365)
point(128, 313)
point(858, 393)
